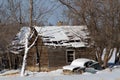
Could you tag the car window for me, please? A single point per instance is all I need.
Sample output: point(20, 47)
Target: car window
point(87, 64)
point(96, 66)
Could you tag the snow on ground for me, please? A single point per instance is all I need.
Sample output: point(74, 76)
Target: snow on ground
point(57, 75)
point(9, 72)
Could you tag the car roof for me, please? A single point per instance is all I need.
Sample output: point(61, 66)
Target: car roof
point(80, 62)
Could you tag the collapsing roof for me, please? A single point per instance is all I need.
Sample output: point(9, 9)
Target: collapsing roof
point(18, 43)
point(69, 36)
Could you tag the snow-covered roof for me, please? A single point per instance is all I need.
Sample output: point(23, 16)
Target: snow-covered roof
point(70, 36)
point(21, 36)
point(80, 62)
point(18, 42)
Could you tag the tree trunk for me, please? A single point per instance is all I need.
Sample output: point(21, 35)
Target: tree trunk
point(117, 56)
point(27, 48)
point(9, 60)
point(24, 58)
point(31, 12)
point(107, 57)
point(99, 52)
point(38, 55)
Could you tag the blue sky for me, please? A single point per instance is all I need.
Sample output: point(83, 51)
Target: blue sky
point(52, 17)
point(57, 13)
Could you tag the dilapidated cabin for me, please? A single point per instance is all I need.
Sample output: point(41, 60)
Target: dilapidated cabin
point(56, 46)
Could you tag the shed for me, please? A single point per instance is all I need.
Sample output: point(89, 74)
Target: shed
point(56, 46)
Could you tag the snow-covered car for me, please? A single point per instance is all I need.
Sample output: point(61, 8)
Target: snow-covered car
point(82, 65)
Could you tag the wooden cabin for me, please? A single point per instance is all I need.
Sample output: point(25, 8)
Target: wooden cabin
point(57, 46)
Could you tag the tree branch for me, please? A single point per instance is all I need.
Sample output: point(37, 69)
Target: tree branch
point(33, 42)
point(69, 6)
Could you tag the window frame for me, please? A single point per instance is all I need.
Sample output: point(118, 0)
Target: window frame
point(67, 61)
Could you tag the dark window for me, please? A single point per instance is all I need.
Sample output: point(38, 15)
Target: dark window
point(70, 56)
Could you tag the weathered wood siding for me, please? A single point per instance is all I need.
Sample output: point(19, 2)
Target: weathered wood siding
point(51, 56)
point(56, 56)
point(44, 57)
point(84, 53)
point(42, 52)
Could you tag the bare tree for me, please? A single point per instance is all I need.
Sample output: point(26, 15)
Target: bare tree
point(27, 48)
point(31, 12)
point(102, 20)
